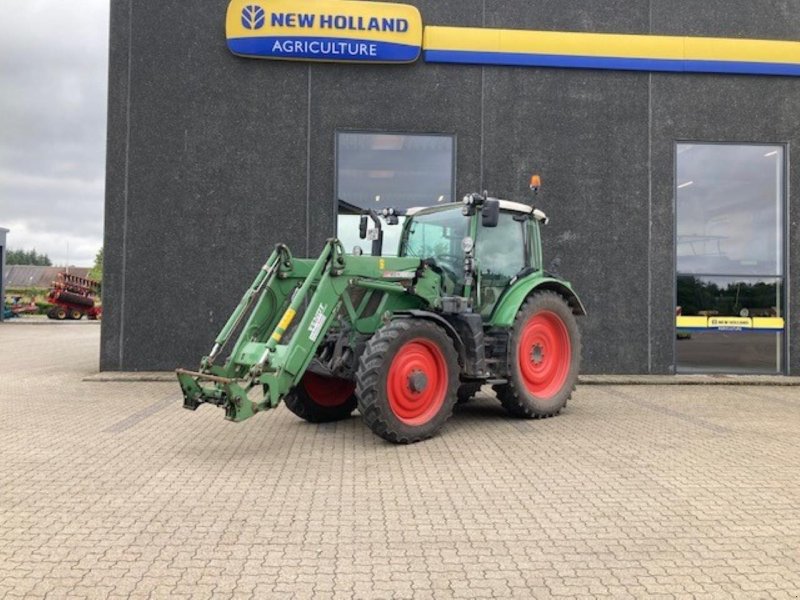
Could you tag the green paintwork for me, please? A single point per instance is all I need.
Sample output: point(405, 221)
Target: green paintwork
point(306, 295)
point(292, 304)
point(507, 308)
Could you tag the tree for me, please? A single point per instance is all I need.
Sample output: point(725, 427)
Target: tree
point(28, 257)
point(97, 270)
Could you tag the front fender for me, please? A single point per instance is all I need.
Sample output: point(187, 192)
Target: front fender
point(510, 302)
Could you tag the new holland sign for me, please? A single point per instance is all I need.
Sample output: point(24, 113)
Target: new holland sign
point(382, 32)
point(324, 30)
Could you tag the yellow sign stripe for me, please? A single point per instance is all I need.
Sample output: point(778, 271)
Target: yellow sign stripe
point(552, 42)
point(469, 39)
point(692, 322)
point(768, 323)
point(771, 323)
point(743, 50)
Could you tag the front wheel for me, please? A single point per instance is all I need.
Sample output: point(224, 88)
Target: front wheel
point(543, 359)
point(320, 399)
point(407, 381)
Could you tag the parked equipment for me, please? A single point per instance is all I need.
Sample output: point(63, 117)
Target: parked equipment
point(73, 297)
point(402, 338)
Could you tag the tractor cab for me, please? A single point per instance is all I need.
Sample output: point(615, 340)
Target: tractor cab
point(478, 247)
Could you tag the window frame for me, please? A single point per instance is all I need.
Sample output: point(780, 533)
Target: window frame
point(785, 246)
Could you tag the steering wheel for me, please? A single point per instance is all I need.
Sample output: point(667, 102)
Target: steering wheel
point(451, 265)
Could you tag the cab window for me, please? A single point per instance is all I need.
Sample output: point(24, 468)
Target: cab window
point(501, 255)
point(437, 237)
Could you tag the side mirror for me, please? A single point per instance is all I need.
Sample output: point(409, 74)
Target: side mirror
point(363, 223)
point(490, 212)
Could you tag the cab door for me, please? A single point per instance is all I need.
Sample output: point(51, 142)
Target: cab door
point(500, 254)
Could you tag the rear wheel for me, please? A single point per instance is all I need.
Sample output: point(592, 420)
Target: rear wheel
point(75, 315)
point(407, 381)
point(320, 399)
point(543, 360)
point(60, 313)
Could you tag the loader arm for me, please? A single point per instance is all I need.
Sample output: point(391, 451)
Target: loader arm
point(285, 315)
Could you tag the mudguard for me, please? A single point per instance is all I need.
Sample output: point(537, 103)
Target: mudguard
point(510, 302)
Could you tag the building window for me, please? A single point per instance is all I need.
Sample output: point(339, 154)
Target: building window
point(390, 170)
point(730, 314)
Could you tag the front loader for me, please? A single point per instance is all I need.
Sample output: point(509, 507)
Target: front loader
point(465, 304)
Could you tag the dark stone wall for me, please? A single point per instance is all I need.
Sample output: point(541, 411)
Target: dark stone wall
point(212, 159)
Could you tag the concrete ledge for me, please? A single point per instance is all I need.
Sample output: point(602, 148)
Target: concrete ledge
point(688, 380)
point(132, 376)
point(162, 376)
point(42, 320)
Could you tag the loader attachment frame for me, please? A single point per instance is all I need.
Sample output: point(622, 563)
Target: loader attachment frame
point(286, 314)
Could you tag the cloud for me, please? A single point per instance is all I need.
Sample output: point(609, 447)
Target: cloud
point(53, 77)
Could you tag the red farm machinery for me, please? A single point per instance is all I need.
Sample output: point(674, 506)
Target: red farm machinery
point(73, 297)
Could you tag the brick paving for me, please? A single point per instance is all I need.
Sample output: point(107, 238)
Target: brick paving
point(112, 490)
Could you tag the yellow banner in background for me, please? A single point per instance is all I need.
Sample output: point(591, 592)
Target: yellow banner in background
point(628, 52)
point(731, 323)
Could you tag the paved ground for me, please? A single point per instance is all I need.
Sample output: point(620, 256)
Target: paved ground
point(113, 490)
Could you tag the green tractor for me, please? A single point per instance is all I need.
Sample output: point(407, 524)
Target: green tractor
point(466, 303)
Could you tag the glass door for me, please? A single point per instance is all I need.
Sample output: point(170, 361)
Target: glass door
point(730, 206)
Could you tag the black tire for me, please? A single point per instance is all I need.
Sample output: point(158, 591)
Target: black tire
point(387, 399)
point(319, 399)
point(467, 391)
point(75, 315)
point(540, 394)
point(59, 313)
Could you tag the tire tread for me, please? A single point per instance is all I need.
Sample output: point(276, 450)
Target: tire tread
point(511, 394)
point(368, 379)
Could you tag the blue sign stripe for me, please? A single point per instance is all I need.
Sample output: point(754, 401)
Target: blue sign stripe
point(323, 48)
point(730, 329)
point(614, 63)
point(742, 68)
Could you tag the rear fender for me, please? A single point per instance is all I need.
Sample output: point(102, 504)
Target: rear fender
point(507, 308)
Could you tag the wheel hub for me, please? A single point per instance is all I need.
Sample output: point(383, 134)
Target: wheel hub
point(537, 354)
point(417, 381)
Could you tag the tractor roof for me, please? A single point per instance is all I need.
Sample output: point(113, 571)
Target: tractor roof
point(504, 205)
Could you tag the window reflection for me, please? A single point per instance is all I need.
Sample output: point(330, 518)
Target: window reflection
point(383, 170)
point(722, 296)
point(729, 325)
point(729, 209)
point(729, 244)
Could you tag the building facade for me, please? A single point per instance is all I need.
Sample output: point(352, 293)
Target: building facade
point(669, 190)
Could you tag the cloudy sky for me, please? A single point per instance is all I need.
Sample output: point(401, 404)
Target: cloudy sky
point(53, 79)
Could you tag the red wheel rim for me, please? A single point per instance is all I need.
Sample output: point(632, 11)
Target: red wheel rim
point(417, 382)
point(544, 354)
point(329, 392)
